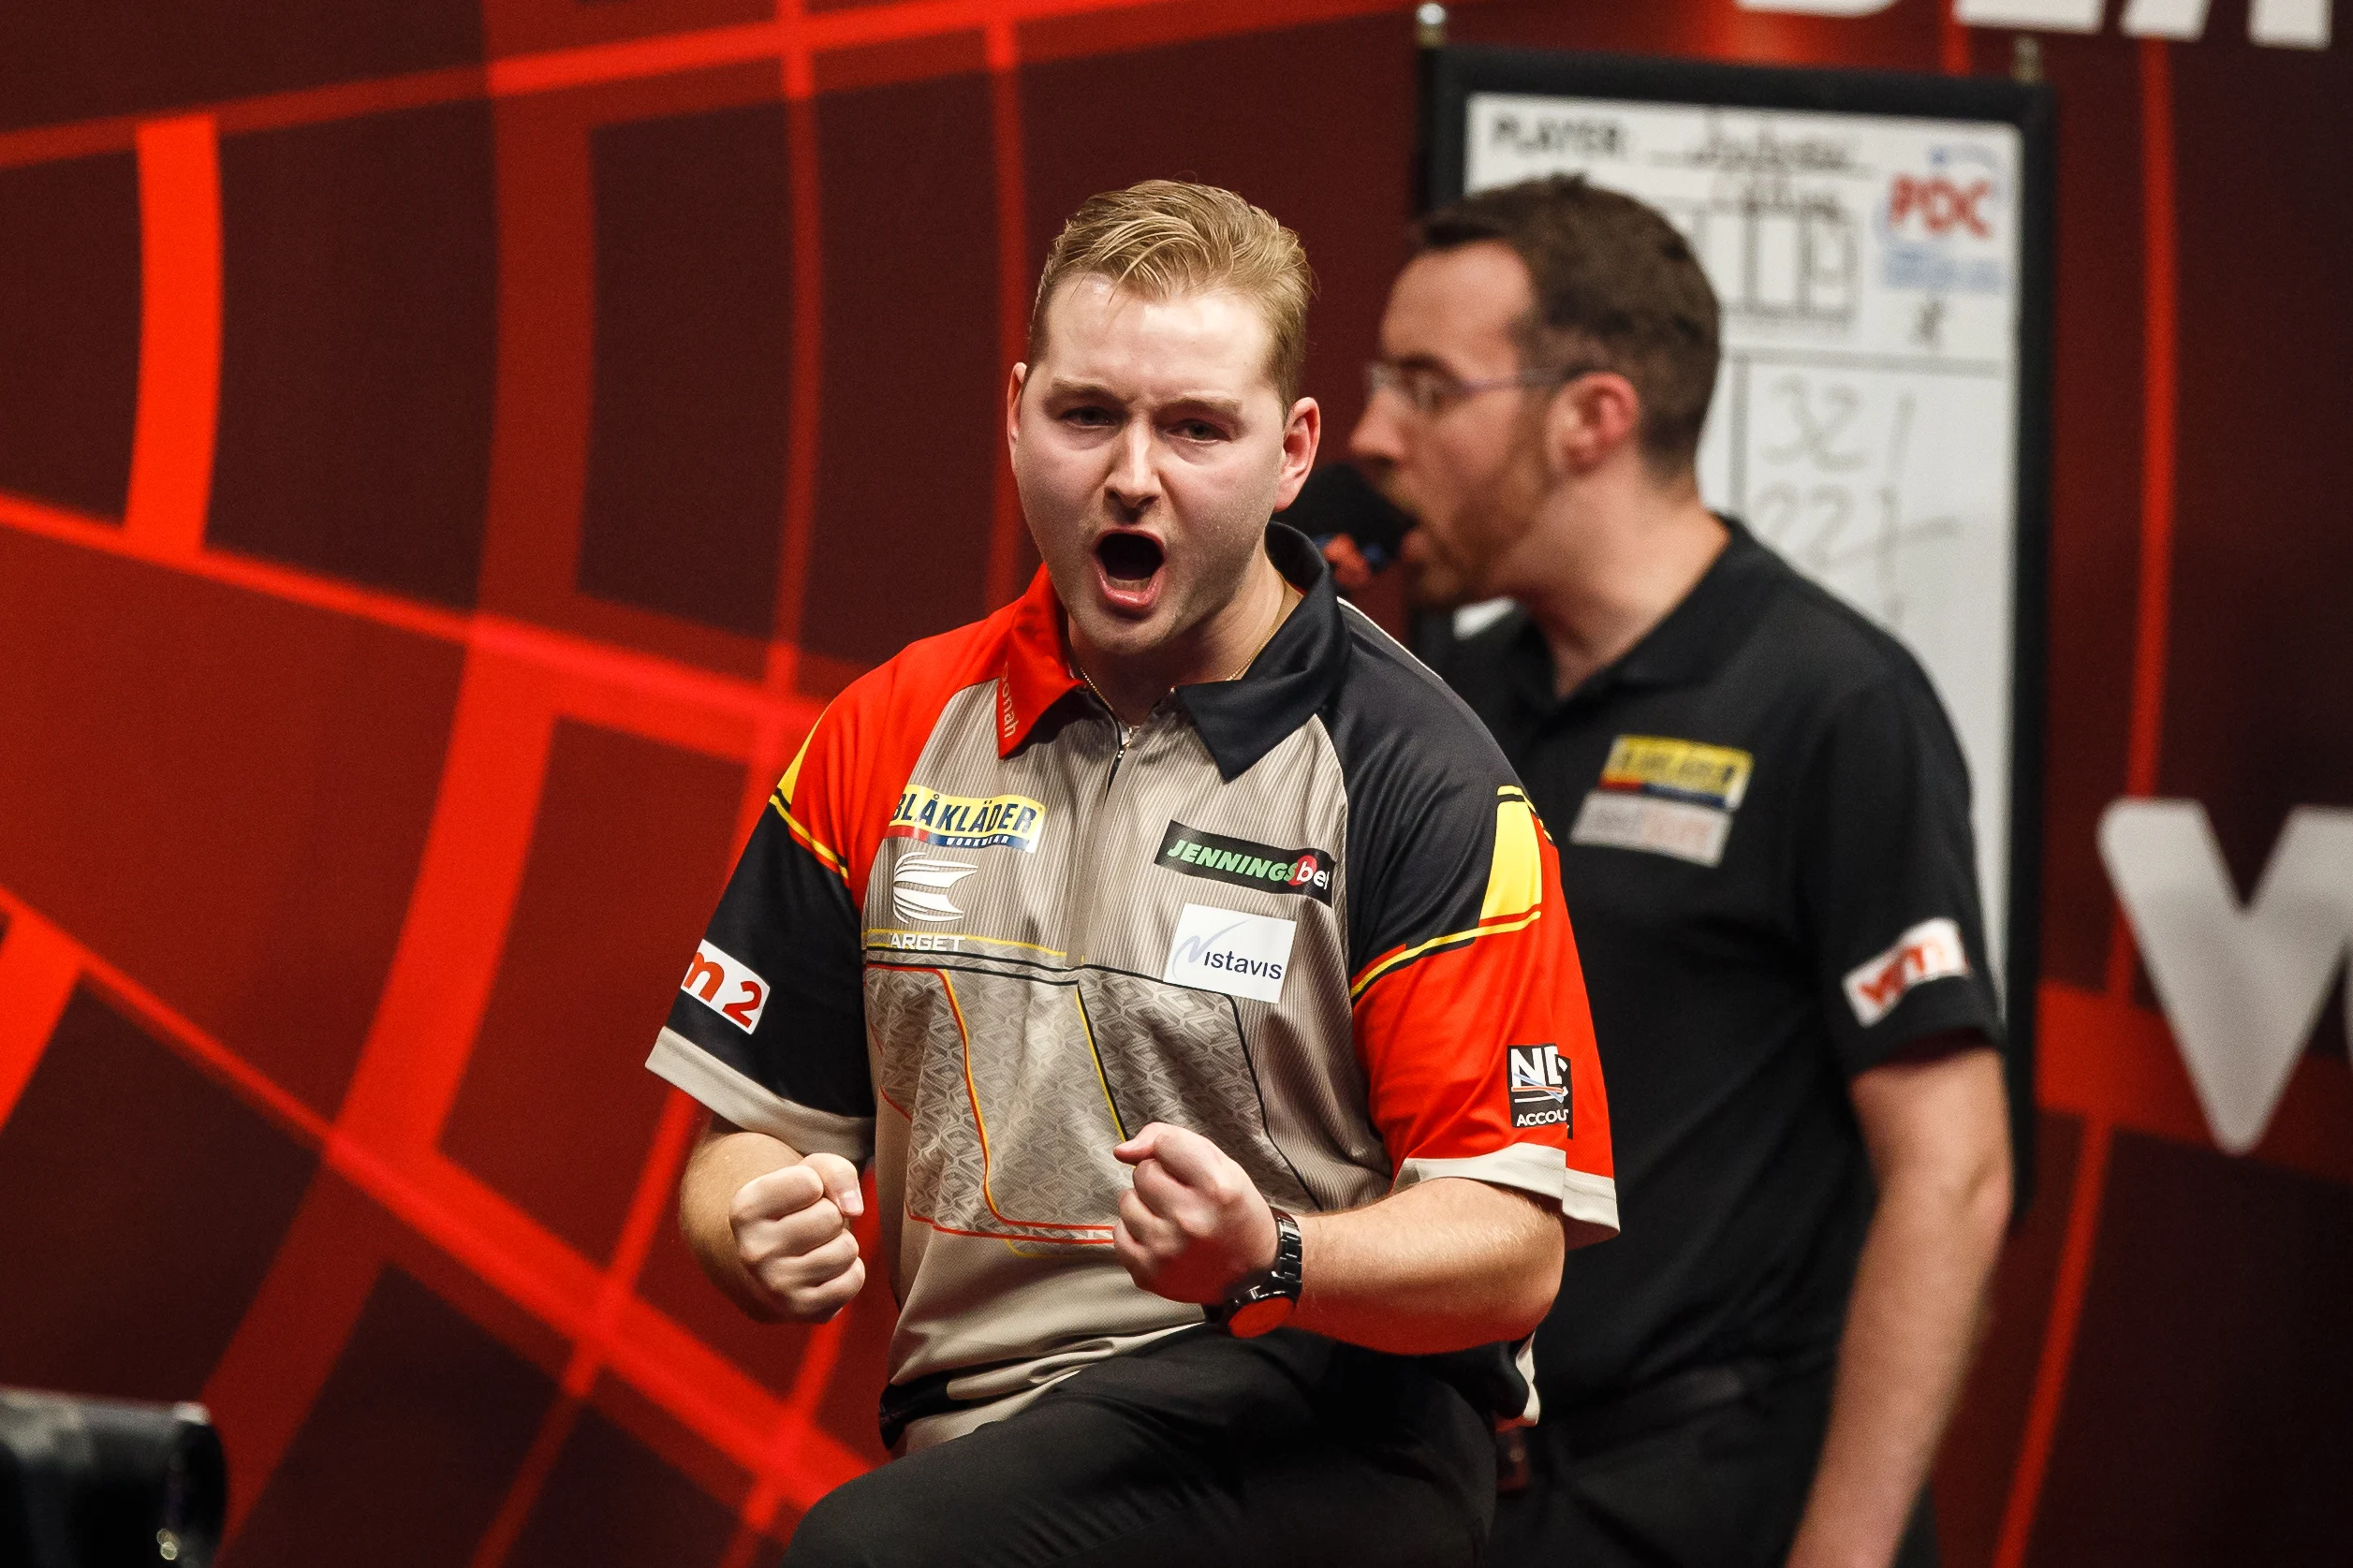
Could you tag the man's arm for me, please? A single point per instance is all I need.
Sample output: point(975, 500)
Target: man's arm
point(770, 1226)
point(1444, 1265)
point(1939, 1134)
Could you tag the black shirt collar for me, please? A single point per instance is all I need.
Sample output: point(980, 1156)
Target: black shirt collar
point(1293, 677)
point(1690, 642)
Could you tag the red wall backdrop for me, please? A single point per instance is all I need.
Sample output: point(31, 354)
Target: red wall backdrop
point(449, 452)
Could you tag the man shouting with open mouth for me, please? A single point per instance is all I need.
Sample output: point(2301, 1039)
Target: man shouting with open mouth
point(1193, 971)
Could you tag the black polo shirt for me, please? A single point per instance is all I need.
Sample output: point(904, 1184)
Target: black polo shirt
point(1763, 821)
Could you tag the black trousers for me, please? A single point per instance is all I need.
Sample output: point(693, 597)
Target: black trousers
point(1721, 1488)
point(1288, 1451)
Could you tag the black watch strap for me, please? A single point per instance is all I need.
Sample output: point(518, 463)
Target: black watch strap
point(1262, 1301)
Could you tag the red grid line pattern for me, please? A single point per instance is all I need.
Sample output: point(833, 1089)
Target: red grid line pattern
point(671, 701)
point(531, 1476)
point(38, 966)
point(1007, 530)
point(178, 334)
point(2152, 613)
point(793, 38)
point(803, 414)
point(507, 1248)
point(520, 677)
point(647, 1205)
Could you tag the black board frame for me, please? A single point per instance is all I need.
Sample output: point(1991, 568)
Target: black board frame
point(1451, 73)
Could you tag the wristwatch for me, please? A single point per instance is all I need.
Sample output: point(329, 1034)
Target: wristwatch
point(1261, 1302)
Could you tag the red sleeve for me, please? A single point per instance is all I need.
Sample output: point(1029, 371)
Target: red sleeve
point(839, 795)
point(1477, 1044)
point(768, 1028)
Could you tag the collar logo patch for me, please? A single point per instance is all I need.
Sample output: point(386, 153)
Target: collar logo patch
point(1664, 797)
point(966, 821)
point(919, 885)
point(1539, 1086)
point(1686, 770)
point(1245, 864)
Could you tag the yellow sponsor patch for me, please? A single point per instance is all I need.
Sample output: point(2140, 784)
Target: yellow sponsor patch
point(1676, 770)
point(966, 820)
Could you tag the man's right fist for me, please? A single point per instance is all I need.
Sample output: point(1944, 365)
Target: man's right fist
point(792, 1234)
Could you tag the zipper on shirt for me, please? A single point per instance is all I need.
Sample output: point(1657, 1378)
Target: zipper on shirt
point(1127, 739)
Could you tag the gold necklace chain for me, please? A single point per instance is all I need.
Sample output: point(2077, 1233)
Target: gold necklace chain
point(1282, 607)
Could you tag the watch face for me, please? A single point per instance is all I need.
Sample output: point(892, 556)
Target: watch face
point(1252, 1318)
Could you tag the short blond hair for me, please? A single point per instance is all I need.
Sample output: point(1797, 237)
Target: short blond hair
point(1162, 238)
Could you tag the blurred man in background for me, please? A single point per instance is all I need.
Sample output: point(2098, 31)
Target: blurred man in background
point(1764, 825)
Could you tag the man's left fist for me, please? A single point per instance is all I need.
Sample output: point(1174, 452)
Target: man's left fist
point(1193, 1223)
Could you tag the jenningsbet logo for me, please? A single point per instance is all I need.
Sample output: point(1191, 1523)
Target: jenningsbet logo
point(1245, 864)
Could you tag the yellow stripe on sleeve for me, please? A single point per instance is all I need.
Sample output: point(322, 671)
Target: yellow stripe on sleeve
point(1515, 876)
point(1515, 889)
point(807, 840)
point(792, 775)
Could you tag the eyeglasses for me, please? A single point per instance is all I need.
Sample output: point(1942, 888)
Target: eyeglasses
point(1430, 391)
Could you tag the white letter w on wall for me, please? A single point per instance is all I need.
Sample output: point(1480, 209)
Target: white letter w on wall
point(2242, 987)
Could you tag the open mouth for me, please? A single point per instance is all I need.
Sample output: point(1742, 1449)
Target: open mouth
point(1130, 565)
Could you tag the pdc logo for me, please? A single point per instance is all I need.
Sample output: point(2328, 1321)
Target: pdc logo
point(1539, 1087)
point(1937, 205)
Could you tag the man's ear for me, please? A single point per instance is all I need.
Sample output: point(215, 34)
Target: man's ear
point(1302, 432)
point(1013, 384)
point(1589, 419)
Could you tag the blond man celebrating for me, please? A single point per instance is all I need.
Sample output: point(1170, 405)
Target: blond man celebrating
point(1192, 970)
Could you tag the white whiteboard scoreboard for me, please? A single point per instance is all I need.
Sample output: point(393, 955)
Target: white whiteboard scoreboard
point(1879, 247)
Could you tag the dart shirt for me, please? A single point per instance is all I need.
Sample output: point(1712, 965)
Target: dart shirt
point(984, 933)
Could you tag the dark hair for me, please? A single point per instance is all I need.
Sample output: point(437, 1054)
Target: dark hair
point(1615, 284)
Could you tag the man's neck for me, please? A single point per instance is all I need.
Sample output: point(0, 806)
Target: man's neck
point(1219, 649)
point(1614, 560)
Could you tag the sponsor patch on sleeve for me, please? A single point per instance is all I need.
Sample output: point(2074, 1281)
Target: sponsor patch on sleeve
point(1245, 864)
point(727, 985)
point(1931, 950)
point(1539, 1087)
point(1225, 950)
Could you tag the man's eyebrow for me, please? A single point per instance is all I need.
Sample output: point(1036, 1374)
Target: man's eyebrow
point(1207, 403)
point(1095, 390)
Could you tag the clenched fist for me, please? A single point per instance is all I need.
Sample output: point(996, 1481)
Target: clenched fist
point(1193, 1223)
point(792, 1235)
